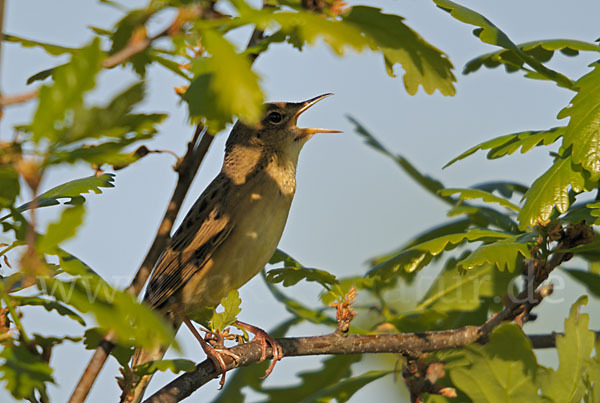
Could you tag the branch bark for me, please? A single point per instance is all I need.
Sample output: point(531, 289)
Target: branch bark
point(402, 343)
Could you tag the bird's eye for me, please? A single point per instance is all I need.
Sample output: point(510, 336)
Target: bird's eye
point(274, 117)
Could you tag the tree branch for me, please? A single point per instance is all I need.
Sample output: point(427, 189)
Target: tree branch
point(412, 345)
point(402, 343)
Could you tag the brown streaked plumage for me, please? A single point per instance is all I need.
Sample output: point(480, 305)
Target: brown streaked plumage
point(234, 227)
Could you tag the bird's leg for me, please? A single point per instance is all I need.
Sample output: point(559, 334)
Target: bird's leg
point(214, 354)
point(265, 340)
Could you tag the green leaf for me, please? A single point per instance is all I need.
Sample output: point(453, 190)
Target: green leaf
point(99, 30)
point(452, 227)
point(589, 280)
point(281, 257)
point(122, 353)
point(505, 254)
point(578, 212)
point(9, 185)
point(126, 26)
point(485, 217)
point(71, 81)
point(583, 131)
point(170, 65)
point(231, 308)
point(54, 50)
point(541, 50)
point(49, 305)
point(360, 28)
point(175, 366)
point(453, 291)
point(590, 212)
point(42, 75)
point(489, 33)
point(592, 376)
point(24, 372)
point(58, 232)
point(132, 23)
point(264, 43)
point(470, 194)
point(430, 184)
point(423, 64)
point(418, 256)
point(506, 189)
point(550, 190)
point(419, 321)
point(132, 322)
point(510, 143)
point(503, 370)
point(47, 343)
point(227, 87)
point(339, 290)
point(115, 120)
point(334, 370)
point(343, 390)
point(574, 348)
point(292, 275)
point(108, 152)
point(298, 309)
point(71, 190)
point(302, 27)
point(293, 272)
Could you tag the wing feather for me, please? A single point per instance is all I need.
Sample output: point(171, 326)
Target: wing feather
point(204, 228)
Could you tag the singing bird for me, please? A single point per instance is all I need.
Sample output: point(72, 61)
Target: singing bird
point(232, 230)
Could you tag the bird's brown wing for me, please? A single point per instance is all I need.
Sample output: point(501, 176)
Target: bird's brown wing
point(202, 231)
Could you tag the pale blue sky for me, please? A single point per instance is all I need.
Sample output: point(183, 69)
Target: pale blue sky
point(351, 203)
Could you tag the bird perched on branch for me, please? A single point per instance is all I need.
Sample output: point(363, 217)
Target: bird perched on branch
point(232, 230)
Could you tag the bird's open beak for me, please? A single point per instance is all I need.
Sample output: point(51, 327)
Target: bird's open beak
point(307, 132)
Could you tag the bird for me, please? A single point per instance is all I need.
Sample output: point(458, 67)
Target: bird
point(231, 231)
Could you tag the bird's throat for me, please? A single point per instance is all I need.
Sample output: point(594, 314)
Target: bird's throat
point(263, 166)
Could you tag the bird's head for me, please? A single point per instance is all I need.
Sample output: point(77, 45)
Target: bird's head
point(277, 131)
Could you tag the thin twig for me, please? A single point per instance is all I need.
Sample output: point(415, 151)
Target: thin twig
point(18, 99)
point(132, 49)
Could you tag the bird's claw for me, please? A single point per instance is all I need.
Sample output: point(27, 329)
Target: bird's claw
point(216, 356)
point(265, 340)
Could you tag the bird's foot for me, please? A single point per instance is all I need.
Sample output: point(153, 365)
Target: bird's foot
point(215, 354)
point(265, 340)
